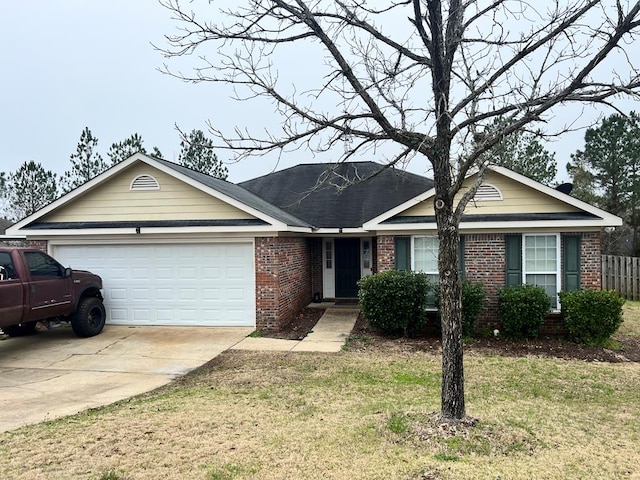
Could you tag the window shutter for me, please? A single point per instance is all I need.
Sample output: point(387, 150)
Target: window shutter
point(513, 259)
point(461, 266)
point(571, 263)
point(403, 253)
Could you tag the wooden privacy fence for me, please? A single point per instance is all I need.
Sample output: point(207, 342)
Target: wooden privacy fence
point(621, 274)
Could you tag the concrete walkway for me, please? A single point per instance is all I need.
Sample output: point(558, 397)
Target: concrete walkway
point(329, 335)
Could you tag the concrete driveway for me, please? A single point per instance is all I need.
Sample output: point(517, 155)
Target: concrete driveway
point(55, 373)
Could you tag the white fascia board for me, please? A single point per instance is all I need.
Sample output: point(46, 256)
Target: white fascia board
point(148, 230)
point(12, 237)
point(327, 231)
point(216, 194)
point(485, 226)
point(375, 223)
point(354, 230)
point(91, 184)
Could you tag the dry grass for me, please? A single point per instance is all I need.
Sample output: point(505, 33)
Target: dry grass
point(352, 415)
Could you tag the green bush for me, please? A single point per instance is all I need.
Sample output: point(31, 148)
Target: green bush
point(591, 316)
point(522, 309)
point(395, 302)
point(473, 299)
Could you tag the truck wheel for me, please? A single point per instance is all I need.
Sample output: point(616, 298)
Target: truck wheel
point(20, 330)
point(89, 318)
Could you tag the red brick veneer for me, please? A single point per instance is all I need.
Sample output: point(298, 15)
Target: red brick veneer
point(283, 279)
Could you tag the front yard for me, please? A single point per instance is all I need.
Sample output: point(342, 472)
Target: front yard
point(365, 413)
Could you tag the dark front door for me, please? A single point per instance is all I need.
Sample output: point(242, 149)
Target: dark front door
point(347, 267)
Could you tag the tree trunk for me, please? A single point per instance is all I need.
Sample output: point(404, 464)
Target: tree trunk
point(453, 406)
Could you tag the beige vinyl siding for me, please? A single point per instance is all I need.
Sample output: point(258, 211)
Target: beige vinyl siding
point(114, 201)
point(517, 198)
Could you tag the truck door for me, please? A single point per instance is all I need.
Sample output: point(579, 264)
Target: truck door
point(11, 293)
point(50, 291)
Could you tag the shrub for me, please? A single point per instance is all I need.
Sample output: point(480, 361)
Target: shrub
point(395, 302)
point(591, 316)
point(522, 309)
point(473, 298)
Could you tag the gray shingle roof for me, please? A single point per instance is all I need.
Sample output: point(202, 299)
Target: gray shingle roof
point(238, 193)
point(316, 192)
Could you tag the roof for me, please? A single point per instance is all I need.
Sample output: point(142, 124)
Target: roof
point(4, 224)
point(343, 195)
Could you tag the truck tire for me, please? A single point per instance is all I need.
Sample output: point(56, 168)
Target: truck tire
point(89, 318)
point(20, 330)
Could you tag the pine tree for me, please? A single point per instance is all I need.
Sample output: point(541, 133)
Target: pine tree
point(30, 188)
point(122, 150)
point(197, 154)
point(523, 153)
point(86, 163)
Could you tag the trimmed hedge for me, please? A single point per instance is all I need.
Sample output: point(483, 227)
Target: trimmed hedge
point(395, 301)
point(591, 316)
point(522, 309)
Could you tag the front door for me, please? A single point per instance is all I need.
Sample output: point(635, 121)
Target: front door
point(347, 255)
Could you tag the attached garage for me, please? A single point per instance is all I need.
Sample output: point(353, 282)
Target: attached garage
point(194, 284)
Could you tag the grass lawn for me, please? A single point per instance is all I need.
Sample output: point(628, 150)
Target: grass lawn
point(362, 415)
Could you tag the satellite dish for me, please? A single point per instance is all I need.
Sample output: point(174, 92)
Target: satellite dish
point(565, 188)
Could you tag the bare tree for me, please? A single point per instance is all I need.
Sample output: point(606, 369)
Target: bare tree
point(427, 77)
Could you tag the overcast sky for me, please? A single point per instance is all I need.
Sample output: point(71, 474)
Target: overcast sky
point(67, 64)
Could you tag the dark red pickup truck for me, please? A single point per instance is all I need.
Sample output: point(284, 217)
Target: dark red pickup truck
point(34, 287)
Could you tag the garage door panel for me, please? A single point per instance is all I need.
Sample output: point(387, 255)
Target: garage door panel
point(162, 284)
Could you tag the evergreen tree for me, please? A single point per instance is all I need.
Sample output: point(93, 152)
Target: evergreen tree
point(86, 163)
point(197, 154)
point(30, 188)
point(523, 153)
point(122, 150)
point(607, 174)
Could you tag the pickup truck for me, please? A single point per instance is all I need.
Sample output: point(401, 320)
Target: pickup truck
point(36, 288)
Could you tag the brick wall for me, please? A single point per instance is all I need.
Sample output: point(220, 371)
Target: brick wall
point(485, 262)
point(40, 244)
point(385, 253)
point(591, 264)
point(315, 247)
point(283, 279)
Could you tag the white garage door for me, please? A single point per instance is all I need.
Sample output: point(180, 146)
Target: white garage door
point(171, 284)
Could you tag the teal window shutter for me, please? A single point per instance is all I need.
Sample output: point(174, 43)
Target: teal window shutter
point(513, 259)
point(403, 253)
point(461, 266)
point(571, 263)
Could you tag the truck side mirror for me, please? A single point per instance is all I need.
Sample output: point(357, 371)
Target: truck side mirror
point(67, 272)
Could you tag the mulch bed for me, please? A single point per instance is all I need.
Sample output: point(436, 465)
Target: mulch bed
point(364, 338)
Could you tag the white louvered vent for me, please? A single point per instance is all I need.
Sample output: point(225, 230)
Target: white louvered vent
point(487, 193)
point(145, 182)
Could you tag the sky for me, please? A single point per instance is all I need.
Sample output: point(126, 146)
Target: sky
point(71, 64)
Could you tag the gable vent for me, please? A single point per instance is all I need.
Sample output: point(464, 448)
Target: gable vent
point(487, 193)
point(145, 182)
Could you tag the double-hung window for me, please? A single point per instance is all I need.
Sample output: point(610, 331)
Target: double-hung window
point(541, 264)
point(425, 256)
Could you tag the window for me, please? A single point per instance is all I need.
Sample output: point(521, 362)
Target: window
point(542, 263)
point(425, 256)
point(329, 254)
point(7, 271)
point(42, 265)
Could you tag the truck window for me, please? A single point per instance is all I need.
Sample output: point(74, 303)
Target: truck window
point(42, 265)
point(7, 270)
